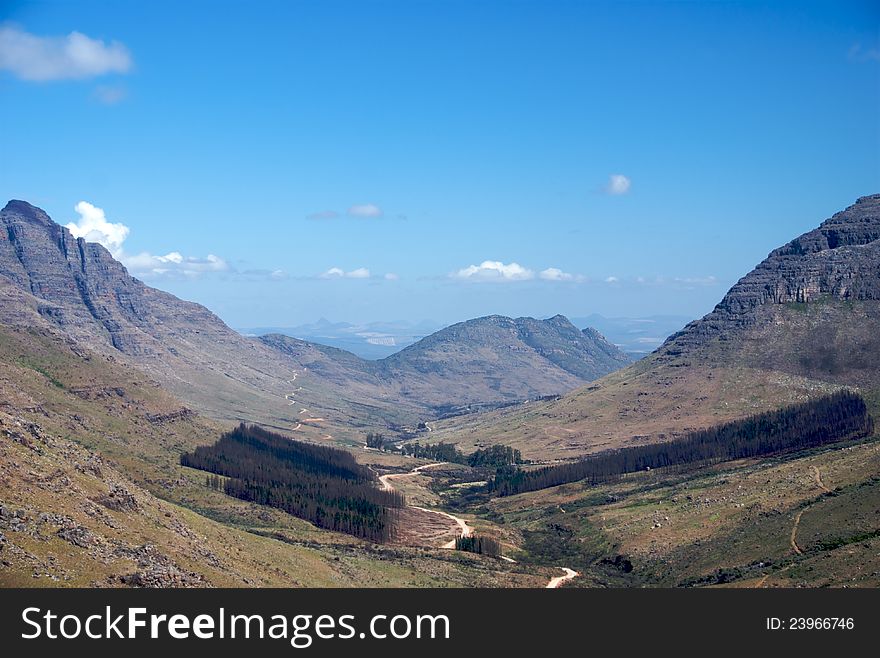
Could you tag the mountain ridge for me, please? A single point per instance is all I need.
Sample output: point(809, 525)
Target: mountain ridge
point(50, 279)
point(804, 322)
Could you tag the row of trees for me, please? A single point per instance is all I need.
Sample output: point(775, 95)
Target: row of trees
point(443, 452)
point(214, 482)
point(323, 485)
point(378, 441)
point(495, 456)
point(837, 417)
point(479, 544)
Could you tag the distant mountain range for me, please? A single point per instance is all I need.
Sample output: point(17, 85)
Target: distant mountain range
point(376, 340)
point(371, 340)
point(50, 280)
point(487, 360)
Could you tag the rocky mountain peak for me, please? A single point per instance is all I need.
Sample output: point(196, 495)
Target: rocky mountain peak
point(840, 259)
point(26, 211)
point(855, 226)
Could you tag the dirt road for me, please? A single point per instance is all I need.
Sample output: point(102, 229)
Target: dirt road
point(817, 476)
point(556, 582)
point(793, 539)
point(385, 480)
point(819, 480)
point(464, 529)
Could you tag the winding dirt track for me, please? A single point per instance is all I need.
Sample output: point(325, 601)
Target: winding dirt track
point(793, 539)
point(465, 529)
point(819, 480)
point(797, 519)
point(556, 582)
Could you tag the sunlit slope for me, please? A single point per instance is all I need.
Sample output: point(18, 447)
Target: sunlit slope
point(804, 322)
point(52, 280)
point(92, 493)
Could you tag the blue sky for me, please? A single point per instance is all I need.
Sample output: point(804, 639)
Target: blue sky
point(280, 162)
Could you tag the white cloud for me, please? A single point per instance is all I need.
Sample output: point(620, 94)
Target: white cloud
point(618, 184)
point(391, 276)
point(555, 274)
point(74, 56)
point(174, 263)
point(611, 279)
point(94, 227)
point(494, 270)
point(339, 273)
point(365, 210)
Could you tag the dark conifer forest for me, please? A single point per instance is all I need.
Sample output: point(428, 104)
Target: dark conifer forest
point(479, 544)
point(837, 417)
point(322, 485)
point(494, 456)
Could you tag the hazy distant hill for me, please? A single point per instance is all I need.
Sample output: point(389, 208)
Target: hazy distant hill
point(635, 336)
point(487, 360)
point(805, 321)
point(513, 356)
point(371, 340)
point(49, 279)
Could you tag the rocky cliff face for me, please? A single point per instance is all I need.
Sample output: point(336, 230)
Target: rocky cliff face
point(52, 280)
point(804, 322)
point(839, 260)
point(80, 288)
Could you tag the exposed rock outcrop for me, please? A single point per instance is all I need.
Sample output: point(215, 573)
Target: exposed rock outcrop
point(838, 260)
point(52, 280)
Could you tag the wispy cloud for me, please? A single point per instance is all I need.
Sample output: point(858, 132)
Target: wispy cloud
point(391, 276)
point(75, 56)
point(686, 282)
point(365, 210)
point(494, 270)
point(339, 273)
point(264, 274)
point(173, 264)
point(617, 185)
point(555, 274)
point(93, 226)
point(858, 53)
